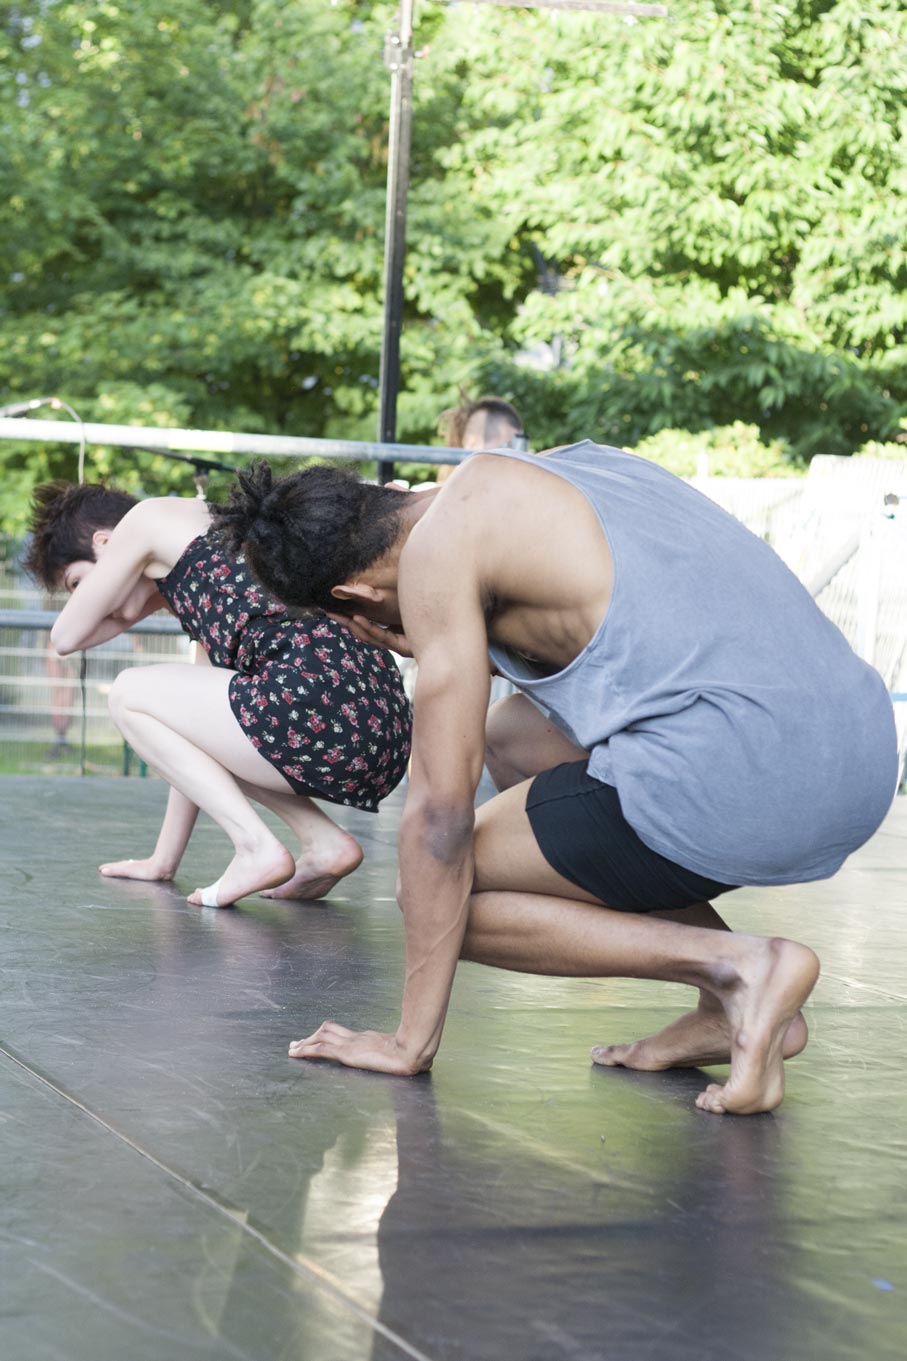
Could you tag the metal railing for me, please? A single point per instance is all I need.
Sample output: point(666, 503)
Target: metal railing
point(821, 526)
point(53, 710)
point(174, 441)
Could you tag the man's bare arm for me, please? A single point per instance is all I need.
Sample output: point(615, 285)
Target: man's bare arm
point(441, 604)
point(435, 844)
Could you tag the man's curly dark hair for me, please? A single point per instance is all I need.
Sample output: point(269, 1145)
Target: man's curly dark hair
point(64, 517)
point(303, 534)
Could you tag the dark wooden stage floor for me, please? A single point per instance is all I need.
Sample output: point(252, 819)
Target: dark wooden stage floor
point(175, 1187)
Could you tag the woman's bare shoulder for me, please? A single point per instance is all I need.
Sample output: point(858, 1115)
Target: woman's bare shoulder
point(164, 526)
point(185, 509)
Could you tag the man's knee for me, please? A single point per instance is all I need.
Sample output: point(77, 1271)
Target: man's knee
point(502, 733)
point(468, 951)
point(500, 724)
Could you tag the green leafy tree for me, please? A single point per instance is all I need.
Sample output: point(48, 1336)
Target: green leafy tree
point(715, 204)
point(192, 235)
point(624, 226)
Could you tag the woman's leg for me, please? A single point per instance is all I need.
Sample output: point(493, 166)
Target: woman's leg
point(178, 718)
point(525, 916)
point(328, 853)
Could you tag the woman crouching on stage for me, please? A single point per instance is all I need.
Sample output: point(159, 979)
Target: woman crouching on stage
point(277, 710)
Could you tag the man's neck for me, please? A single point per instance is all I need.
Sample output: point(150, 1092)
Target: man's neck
point(417, 503)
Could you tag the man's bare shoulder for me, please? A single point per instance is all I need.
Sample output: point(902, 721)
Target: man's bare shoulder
point(479, 471)
point(458, 516)
point(491, 513)
point(471, 500)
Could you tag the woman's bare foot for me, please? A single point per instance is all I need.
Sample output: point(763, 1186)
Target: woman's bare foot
point(250, 872)
point(697, 1040)
point(761, 986)
point(148, 870)
point(319, 868)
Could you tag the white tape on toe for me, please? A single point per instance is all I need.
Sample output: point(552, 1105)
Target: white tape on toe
point(209, 894)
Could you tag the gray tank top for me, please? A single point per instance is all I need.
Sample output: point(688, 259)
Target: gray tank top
point(745, 738)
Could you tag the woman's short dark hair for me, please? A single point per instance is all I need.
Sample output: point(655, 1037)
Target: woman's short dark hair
point(303, 534)
point(64, 518)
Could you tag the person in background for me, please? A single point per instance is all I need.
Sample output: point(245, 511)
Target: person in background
point(60, 673)
point(488, 423)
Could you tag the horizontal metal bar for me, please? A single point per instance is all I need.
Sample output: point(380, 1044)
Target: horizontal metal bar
point(51, 711)
point(225, 442)
point(20, 681)
point(45, 619)
point(20, 650)
point(603, 6)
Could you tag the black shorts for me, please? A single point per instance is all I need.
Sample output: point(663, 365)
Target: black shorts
point(583, 834)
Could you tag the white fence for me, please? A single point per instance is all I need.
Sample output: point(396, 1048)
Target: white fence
point(832, 527)
point(843, 530)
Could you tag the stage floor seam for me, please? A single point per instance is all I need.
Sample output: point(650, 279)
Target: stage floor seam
point(176, 1188)
point(301, 1266)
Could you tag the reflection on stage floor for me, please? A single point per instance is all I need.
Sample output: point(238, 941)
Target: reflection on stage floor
point(176, 1187)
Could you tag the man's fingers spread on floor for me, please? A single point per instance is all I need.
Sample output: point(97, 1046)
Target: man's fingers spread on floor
point(326, 1041)
point(329, 1030)
point(311, 1049)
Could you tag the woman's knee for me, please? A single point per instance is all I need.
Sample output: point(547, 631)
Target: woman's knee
point(126, 690)
point(117, 697)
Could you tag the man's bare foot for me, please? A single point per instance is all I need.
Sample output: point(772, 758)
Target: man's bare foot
point(248, 872)
point(697, 1040)
point(319, 869)
point(761, 985)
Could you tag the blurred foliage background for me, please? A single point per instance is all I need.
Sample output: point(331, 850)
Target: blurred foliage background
point(637, 230)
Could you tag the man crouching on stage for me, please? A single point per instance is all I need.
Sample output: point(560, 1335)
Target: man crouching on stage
point(709, 728)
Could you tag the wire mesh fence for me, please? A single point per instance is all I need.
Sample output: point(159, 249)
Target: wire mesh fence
point(828, 527)
point(53, 710)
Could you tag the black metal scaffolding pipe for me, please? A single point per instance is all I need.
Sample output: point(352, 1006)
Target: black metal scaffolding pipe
point(398, 56)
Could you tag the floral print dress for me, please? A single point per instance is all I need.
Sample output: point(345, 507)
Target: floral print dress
point(327, 710)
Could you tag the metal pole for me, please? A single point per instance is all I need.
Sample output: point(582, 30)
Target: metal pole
point(398, 57)
point(168, 439)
